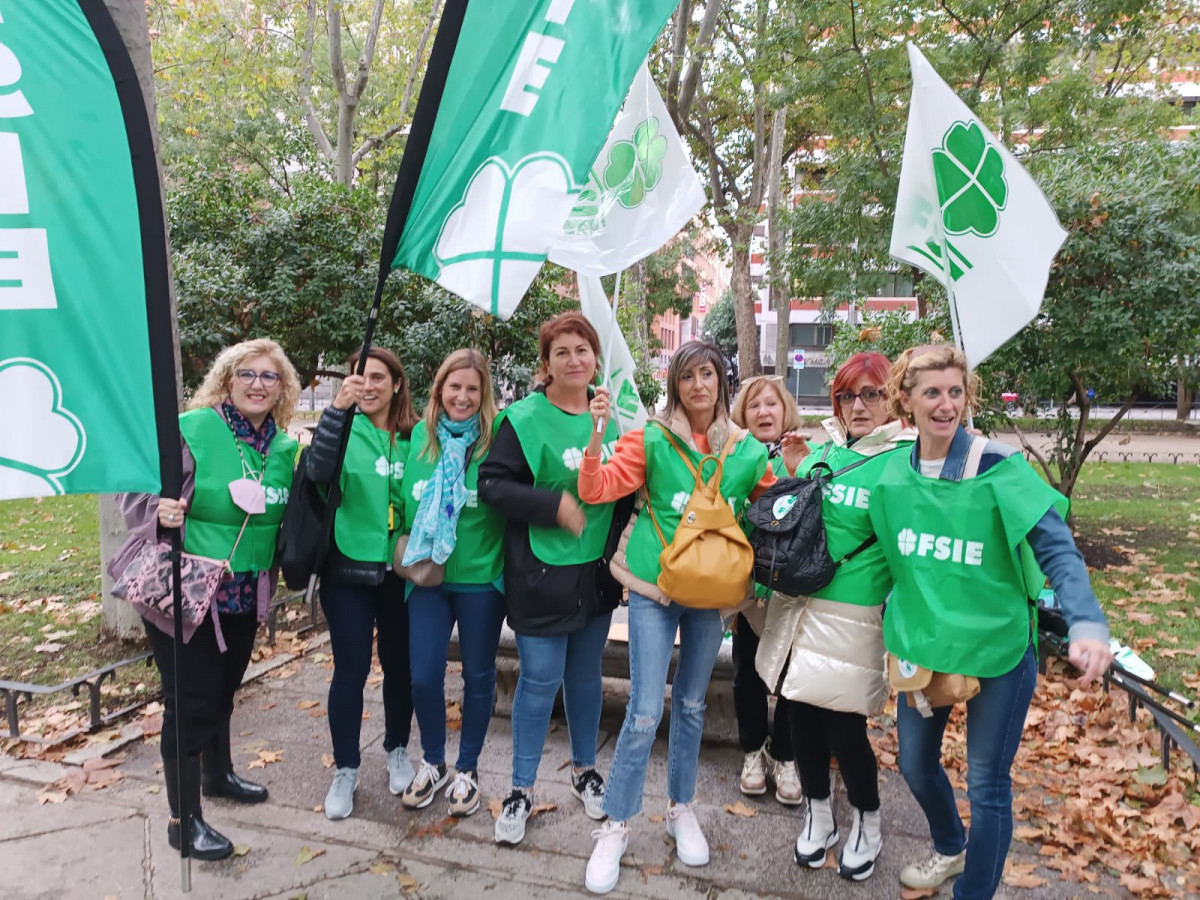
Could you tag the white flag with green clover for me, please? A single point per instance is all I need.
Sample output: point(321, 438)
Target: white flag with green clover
point(640, 192)
point(619, 367)
point(969, 215)
point(524, 95)
point(87, 385)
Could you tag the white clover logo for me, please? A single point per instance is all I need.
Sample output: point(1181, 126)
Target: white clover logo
point(50, 441)
point(907, 542)
point(572, 458)
point(381, 467)
point(418, 489)
point(495, 239)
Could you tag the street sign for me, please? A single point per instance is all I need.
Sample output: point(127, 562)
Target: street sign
point(797, 359)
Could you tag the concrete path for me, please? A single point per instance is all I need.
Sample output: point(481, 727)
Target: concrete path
point(112, 843)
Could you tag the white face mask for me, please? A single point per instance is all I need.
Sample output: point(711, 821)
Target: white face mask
point(248, 495)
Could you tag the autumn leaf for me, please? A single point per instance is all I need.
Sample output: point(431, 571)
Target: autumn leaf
point(495, 807)
point(266, 757)
point(916, 893)
point(741, 809)
point(327, 760)
point(541, 808)
point(407, 882)
point(1022, 875)
point(241, 850)
point(383, 867)
point(307, 855)
point(308, 704)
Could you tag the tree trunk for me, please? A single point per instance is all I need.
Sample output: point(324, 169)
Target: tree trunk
point(1184, 397)
point(780, 296)
point(743, 301)
point(343, 171)
point(117, 618)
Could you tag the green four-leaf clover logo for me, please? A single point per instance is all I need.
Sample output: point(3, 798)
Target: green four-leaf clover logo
point(635, 167)
point(970, 181)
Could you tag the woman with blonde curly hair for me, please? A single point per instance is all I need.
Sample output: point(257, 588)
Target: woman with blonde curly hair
point(237, 472)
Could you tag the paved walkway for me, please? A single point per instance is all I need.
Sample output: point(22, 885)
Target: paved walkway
point(111, 843)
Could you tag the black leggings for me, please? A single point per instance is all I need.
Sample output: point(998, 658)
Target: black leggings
point(212, 677)
point(820, 734)
point(750, 700)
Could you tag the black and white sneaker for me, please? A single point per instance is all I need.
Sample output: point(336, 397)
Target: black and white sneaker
point(588, 786)
point(510, 824)
point(429, 779)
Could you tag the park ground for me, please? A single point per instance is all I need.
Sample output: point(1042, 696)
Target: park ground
point(1097, 813)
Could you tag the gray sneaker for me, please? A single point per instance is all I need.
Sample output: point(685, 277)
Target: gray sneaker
point(510, 824)
point(339, 802)
point(400, 770)
point(588, 786)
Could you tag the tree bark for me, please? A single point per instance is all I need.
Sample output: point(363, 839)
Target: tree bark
point(743, 300)
point(117, 619)
point(1184, 397)
point(780, 296)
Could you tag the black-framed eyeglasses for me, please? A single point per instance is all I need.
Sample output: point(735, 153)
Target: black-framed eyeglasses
point(869, 396)
point(248, 376)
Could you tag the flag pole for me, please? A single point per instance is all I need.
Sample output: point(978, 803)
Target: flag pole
point(955, 327)
point(612, 336)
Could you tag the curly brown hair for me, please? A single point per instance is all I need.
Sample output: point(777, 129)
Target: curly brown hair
point(928, 358)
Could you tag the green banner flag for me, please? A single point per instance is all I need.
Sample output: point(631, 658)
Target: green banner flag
point(526, 103)
point(77, 400)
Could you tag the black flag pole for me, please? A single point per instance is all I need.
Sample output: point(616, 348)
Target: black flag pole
point(159, 315)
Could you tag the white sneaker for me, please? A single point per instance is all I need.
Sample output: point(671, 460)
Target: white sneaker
point(787, 783)
point(817, 835)
point(463, 794)
point(510, 824)
point(862, 847)
point(933, 870)
point(754, 774)
point(588, 786)
point(690, 844)
point(604, 866)
point(400, 770)
point(339, 802)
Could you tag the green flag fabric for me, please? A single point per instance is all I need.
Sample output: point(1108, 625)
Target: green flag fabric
point(76, 394)
point(528, 100)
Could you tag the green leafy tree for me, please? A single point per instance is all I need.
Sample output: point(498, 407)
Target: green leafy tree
point(720, 327)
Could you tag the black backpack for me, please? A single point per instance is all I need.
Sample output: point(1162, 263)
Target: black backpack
point(791, 554)
point(303, 541)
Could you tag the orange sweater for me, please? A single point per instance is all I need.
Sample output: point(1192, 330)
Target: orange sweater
point(625, 470)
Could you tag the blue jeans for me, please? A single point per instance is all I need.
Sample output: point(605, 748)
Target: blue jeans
point(572, 661)
point(995, 719)
point(432, 613)
point(651, 640)
point(355, 613)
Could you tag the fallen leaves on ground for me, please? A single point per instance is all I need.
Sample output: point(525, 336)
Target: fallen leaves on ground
point(265, 758)
point(407, 882)
point(327, 760)
point(741, 809)
point(1023, 875)
point(453, 716)
point(240, 850)
point(540, 808)
point(307, 855)
point(307, 704)
point(95, 775)
point(495, 807)
point(916, 893)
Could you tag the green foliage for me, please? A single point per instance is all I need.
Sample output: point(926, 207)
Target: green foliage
point(719, 325)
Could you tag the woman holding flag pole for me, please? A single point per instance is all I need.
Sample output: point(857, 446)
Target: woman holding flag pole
point(237, 462)
point(963, 519)
point(560, 595)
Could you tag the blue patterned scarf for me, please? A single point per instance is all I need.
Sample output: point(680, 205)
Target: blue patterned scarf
point(445, 494)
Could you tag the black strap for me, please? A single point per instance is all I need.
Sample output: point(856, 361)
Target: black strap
point(859, 549)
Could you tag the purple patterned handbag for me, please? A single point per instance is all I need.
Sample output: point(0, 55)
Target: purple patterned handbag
point(146, 581)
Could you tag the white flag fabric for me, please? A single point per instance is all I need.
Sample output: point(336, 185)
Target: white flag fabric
point(641, 191)
point(626, 402)
point(969, 215)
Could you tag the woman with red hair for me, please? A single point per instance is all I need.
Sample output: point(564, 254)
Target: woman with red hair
point(826, 651)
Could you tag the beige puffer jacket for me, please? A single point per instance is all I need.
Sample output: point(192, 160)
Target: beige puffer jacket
point(824, 652)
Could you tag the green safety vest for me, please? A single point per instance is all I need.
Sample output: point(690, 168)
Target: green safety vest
point(863, 580)
point(669, 484)
point(372, 482)
point(478, 556)
point(213, 519)
point(553, 442)
point(964, 573)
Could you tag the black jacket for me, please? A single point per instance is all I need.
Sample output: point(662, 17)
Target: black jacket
point(322, 461)
point(543, 599)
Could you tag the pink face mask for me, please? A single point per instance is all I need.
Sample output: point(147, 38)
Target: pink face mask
point(248, 495)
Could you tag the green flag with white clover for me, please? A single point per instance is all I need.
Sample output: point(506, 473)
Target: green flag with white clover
point(518, 102)
point(969, 215)
point(87, 387)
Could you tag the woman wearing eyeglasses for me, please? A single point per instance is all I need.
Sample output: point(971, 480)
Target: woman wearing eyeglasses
point(826, 651)
point(360, 595)
point(237, 472)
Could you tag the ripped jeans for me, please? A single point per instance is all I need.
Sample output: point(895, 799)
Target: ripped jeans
point(651, 640)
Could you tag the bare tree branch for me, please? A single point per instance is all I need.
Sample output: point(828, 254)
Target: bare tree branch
point(691, 75)
point(368, 54)
point(1032, 450)
point(880, 160)
point(333, 23)
point(306, 75)
point(683, 18)
point(372, 142)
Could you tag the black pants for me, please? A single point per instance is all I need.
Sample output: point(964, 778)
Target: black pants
point(355, 612)
point(819, 735)
point(212, 679)
point(750, 700)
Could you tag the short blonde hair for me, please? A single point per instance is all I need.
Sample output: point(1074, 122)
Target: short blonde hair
point(928, 358)
point(466, 358)
point(218, 380)
point(752, 387)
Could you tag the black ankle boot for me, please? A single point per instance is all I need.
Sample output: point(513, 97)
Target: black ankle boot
point(219, 778)
point(207, 843)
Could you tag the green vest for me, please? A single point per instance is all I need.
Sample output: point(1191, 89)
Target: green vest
point(478, 556)
point(963, 572)
point(213, 520)
point(669, 484)
point(372, 484)
point(553, 442)
point(863, 580)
